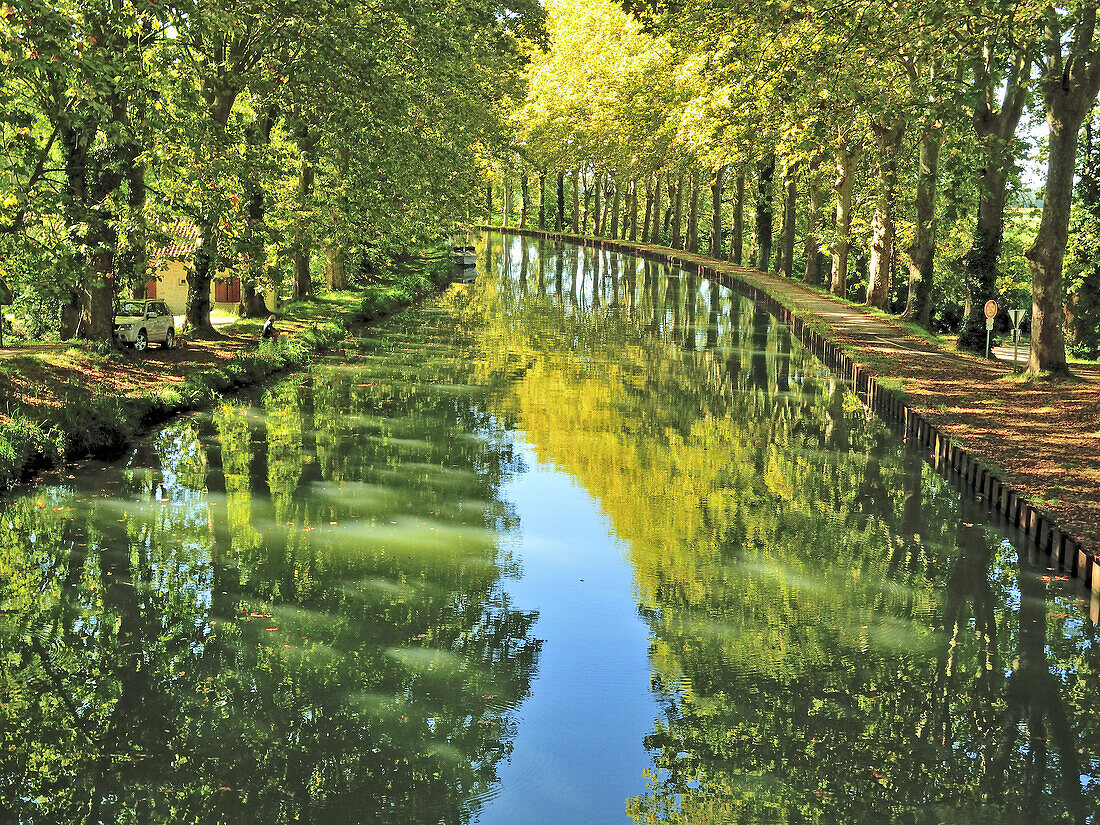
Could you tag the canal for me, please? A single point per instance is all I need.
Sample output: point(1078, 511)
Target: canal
point(584, 541)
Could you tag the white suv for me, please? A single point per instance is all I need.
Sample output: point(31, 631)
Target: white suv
point(141, 321)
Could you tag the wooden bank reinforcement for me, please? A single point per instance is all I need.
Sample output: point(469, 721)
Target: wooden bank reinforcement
point(946, 456)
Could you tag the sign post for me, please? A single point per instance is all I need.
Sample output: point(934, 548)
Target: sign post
point(990, 314)
point(1017, 316)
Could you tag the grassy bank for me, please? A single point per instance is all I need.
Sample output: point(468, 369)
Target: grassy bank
point(60, 403)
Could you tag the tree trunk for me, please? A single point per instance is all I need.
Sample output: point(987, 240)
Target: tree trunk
point(523, 204)
point(811, 249)
point(615, 205)
point(633, 210)
point(655, 235)
point(883, 229)
point(597, 212)
point(335, 273)
point(716, 212)
point(542, 201)
point(692, 239)
point(996, 128)
point(507, 206)
point(199, 276)
point(785, 256)
point(303, 244)
point(922, 251)
point(845, 179)
point(257, 136)
point(765, 170)
point(576, 200)
point(489, 201)
point(737, 231)
point(677, 213)
point(559, 218)
point(648, 208)
point(1067, 101)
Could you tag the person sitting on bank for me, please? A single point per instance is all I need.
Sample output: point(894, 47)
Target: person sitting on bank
point(269, 333)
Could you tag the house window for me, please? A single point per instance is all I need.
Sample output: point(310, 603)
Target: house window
point(227, 292)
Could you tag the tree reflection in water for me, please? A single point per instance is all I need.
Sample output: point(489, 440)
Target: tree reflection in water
point(298, 610)
point(288, 612)
point(837, 636)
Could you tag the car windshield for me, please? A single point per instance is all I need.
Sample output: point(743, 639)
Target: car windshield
point(132, 308)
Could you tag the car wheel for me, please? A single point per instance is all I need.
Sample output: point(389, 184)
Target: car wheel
point(142, 341)
point(170, 338)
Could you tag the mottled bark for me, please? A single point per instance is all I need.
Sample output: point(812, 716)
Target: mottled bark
point(655, 234)
point(691, 241)
point(648, 208)
point(1069, 90)
point(811, 248)
point(559, 218)
point(524, 205)
point(634, 210)
point(846, 157)
point(921, 253)
point(542, 200)
point(716, 182)
point(784, 259)
point(995, 124)
point(576, 201)
point(737, 231)
point(303, 242)
point(615, 207)
point(765, 171)
point(883, 228)
point(678, 213)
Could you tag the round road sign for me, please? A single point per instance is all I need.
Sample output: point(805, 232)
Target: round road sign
point(990, 309)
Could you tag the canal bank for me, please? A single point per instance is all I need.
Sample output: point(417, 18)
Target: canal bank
point(63, 402)
point(1031, 450)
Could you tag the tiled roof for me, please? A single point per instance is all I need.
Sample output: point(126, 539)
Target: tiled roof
point(184, 241)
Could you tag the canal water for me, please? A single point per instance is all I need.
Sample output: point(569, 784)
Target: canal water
point(584, 541)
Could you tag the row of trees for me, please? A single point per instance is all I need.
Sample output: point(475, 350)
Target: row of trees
point(269, 132)
point(891, 131)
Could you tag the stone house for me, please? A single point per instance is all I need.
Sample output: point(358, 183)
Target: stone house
point(170, 275)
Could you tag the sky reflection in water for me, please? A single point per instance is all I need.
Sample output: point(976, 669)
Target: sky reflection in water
point(581, 542)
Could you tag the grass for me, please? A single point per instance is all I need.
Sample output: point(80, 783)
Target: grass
point(48, 420)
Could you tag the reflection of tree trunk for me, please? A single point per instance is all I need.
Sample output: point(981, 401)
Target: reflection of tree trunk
point(1033, 693)
point(712, 315)
point(691, 291)
point(783, 360)
point(968, 581)
point(836, 427)
point(673, 301)
point(523, 269)
point(759, 374)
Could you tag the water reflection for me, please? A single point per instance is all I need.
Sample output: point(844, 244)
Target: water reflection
point(300, 606)
point(287, 612)
point(837, 634)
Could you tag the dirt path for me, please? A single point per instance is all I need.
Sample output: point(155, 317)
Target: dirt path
point(1044, 436)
